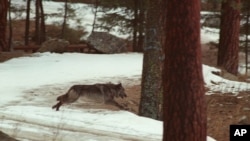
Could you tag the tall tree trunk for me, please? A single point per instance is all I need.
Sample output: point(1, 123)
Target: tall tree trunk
point(246, 40)
point(37, 23)
point(27, 23)
point(42, 26)
point(135, 25)
point(95, 15)
point(65, 18)
point(151, 74)
point(141, 26)
point(184, 108)
point(229, 36)
point(10, 28)
point(3, 25)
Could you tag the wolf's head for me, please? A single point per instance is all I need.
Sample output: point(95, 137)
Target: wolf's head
point(120, 90)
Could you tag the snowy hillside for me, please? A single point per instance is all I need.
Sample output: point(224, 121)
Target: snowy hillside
point(84, 15)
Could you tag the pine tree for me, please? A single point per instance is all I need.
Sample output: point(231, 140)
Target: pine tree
point(245, 30)
point(184, 109)
point(3, 25)
point(228, 57)
point(27, 23)
point(151, 74)
point(39, 23)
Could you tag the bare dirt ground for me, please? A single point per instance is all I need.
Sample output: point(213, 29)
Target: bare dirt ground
point(222, 109)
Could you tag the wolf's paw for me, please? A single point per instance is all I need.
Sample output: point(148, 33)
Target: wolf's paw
point(56, 106)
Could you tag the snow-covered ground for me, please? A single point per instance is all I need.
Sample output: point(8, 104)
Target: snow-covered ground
point(30, 85)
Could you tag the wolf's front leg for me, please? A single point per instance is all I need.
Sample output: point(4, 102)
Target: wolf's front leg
point(57, 106)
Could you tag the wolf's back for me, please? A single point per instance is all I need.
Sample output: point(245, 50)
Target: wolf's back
point(104, 93)
point(94, 92)
point(100, 92)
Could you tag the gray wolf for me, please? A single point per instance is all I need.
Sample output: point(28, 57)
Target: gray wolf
point(99, 92)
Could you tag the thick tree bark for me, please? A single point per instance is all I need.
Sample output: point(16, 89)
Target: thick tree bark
point(229, 36)
point(151, 74)
point(3, 25)
point(184, 108)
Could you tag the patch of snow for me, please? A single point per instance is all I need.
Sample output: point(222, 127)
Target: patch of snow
point(30, 85)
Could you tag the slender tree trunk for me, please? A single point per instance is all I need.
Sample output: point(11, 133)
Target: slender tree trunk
point(27, 23)
point(141, 26)
point(229, 36)
point(246, 40)
point(95, 14)
point(3, 25)
point(37, 23)
point(184, 108)
point(42, 26)
point(151, 74)
point(10, 28)
point(135, 25)
point(65, 18)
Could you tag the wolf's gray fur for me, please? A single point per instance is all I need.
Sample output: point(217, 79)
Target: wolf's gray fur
point(98, 92)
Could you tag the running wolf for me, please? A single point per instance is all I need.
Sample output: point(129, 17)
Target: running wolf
point(99, 92)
